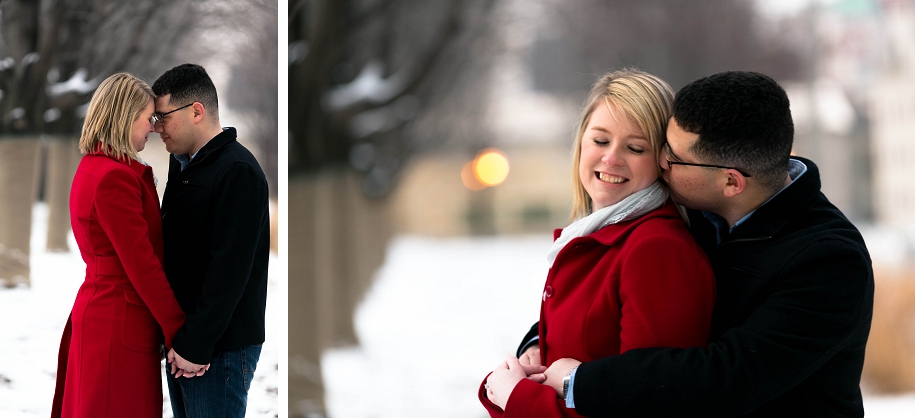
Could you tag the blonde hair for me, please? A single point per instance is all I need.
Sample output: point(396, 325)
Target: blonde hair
point(644, 98)
point(116, 103)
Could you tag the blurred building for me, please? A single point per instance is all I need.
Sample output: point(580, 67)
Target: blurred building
point(830, 103)
point(892, 116)
point(535, 197)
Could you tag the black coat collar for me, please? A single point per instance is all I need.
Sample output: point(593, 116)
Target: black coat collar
point(769, 219)
point(772, 217)
point(226, 136)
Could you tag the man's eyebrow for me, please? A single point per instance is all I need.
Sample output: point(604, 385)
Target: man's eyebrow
point(671, 152)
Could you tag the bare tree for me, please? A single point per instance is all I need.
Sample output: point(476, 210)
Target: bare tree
point(363, 78)
point(254, 81)
point(361, 72)
point(29, 35)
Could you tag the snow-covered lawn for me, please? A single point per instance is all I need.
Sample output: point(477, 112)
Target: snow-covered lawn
point(32, 320)
point(440, 315)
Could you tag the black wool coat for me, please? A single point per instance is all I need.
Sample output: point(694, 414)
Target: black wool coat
point(216, 231)
point(795, 298)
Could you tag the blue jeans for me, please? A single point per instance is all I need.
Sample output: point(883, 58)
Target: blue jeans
point(222, 392)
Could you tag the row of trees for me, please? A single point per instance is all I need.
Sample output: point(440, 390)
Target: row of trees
point(53, 53)
point(364, 78)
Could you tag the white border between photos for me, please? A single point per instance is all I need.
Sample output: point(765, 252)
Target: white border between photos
point(282, 205)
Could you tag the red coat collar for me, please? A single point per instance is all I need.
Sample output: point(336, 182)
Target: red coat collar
point(610, 234)
point(134, 165)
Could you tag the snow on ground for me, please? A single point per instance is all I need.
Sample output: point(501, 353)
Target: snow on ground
point(32, 320)
point(440, 315)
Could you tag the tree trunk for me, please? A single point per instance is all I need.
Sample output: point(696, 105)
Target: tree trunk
point(306, 389)
point(63, 158)
point(18, 184)
point(337, 240)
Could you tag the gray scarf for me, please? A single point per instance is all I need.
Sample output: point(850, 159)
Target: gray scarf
point(632, 207)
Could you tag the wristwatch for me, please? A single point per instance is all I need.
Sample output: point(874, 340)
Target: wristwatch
point(565, 382)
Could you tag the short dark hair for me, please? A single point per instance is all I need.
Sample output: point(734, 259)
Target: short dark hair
point(743, 120)
point(187, 83)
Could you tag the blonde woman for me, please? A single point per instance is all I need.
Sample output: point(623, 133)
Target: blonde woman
point(110, 353)
point(626, 273)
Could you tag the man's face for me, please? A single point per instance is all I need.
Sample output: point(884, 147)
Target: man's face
point(175, 127)
point(690, 186)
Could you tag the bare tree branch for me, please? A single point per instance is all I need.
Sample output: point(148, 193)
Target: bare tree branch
point(420, 49)
point(134, 46)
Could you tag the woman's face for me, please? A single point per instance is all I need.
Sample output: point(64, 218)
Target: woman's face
point(616, 158)
point(139, 132)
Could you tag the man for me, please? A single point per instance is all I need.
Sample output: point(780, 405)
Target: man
point(795, 285)
point(216, 235)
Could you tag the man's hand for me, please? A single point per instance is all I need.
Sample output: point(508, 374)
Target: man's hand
point(530, 357)
point(530, 361)
point(182, 367)
point(556, 372)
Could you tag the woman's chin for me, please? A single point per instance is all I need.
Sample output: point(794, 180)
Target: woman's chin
point(598, 205)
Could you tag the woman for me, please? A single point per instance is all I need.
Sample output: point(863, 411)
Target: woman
point(626, 274)
point(110, 353)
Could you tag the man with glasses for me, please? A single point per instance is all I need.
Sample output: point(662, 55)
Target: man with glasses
point(795, 284)
point(216, 234)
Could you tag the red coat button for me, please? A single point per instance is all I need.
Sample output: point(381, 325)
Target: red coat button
point(547, 292)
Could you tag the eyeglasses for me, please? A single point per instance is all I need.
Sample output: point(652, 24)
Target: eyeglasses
point(673, 163)
point(159, 117)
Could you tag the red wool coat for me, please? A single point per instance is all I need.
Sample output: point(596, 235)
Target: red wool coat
point(109, 361)
point(640, 283)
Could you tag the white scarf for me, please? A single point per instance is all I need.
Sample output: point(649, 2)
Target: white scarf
point(632, 207)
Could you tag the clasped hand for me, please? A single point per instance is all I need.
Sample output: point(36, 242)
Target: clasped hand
point(181, 367)
point(506, 375)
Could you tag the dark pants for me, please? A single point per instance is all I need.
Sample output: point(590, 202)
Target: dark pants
point(222, 392)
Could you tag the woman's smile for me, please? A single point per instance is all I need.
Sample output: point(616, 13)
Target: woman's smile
point(609, 178)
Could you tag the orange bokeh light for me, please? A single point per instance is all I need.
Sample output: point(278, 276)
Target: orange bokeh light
point(490, 167)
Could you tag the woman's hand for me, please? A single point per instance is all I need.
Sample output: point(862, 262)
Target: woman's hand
point(181, 367)
point(503, 379)
point(557, 371)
